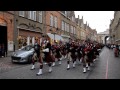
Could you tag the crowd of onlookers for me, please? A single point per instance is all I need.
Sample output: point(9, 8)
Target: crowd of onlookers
point(115, 47)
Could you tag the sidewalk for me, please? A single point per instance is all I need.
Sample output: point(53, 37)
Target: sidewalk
point(9, 53)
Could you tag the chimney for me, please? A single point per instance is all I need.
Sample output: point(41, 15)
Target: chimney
point(82, 17)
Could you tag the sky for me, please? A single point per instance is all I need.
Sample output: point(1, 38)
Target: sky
point(98, 20)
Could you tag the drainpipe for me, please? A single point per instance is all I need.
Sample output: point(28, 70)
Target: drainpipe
point(15, 33)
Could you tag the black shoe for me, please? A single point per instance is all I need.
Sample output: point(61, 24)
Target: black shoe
point(68, 68)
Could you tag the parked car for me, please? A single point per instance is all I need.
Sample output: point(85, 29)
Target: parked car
point(23, 55)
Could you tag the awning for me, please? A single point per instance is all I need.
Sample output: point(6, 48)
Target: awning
point(57, 37)
point(65, 36)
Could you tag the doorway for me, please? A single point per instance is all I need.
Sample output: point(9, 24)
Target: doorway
point(3, 37)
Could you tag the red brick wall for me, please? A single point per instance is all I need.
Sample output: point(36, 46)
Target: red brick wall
point(8, 19)
point(54, 13)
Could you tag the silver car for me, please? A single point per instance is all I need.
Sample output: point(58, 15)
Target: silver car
point(23, 55)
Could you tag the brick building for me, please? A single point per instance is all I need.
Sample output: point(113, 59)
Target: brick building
point(114, 28)
point(53, 25)
point(6, 29)
point(29, 26)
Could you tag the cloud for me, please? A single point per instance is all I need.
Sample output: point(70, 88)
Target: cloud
point(98, 20)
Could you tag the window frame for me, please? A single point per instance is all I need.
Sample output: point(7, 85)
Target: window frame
point(22, 15)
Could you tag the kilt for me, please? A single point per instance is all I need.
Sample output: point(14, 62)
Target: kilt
point(73, 56)
point(58, 55)
point(49, 58)
point(79, 55)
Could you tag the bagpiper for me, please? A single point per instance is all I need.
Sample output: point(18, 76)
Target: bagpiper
point(57, 54)
point(36, 54)
point(47, 58)
point(73, 56)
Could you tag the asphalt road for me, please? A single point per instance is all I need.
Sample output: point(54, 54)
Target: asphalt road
point(106, 67)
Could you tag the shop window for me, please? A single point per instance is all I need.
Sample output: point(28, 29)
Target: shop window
point(30, 41)
point(22, 41)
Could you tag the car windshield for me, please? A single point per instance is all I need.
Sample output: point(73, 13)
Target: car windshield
point(27, 48)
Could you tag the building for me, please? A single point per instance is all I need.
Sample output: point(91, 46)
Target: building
point(94, 35)
point(7, 29)
point(53, 26)
point(114, 28)
point(83, 31)
point(65, 25)
point(103, 36)
point(29, 26)
point(73, 25)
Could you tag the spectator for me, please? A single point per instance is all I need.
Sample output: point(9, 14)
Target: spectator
point(3, 50)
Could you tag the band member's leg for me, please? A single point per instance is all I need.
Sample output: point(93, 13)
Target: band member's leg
point(53, 63)
point(33, 62)
point(74, 62)
point(68, 64)
point(41, 65)
point(84, 65)
point(59, 60)
point(50, 67)
point(40, 70)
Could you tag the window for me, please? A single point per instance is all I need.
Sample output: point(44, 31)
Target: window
point(71, 29)
point(32, 15)
point(62, 25)
point(21, 13)
point(65, 13)
point(51, 20)
point(68, 27)
point(29, 14)
point(73, 19)
point(40, 16)
point(74, 30)
point(55, 22)
point(65, 26)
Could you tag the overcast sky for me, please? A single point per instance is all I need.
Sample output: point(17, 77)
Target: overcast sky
point(98, 20)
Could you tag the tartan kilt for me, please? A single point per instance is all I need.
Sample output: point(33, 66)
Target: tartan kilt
point(63, 52)
point(58, 56)
point(49, 58)
point(73, 56)
point(79, 55)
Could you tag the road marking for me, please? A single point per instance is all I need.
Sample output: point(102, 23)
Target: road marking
point(106, 75)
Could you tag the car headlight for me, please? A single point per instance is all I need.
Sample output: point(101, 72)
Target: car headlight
point(24, 55)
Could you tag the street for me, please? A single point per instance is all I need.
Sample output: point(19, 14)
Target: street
point(106, 67)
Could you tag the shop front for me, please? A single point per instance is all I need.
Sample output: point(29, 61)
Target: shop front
point(26, 37)
point(55, 38)
point(66, 38)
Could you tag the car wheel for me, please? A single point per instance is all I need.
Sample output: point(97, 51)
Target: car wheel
point(30, 59)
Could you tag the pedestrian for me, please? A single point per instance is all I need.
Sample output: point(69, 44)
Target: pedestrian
point(3, 50)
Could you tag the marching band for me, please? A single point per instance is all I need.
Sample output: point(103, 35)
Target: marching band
point(73, 52)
